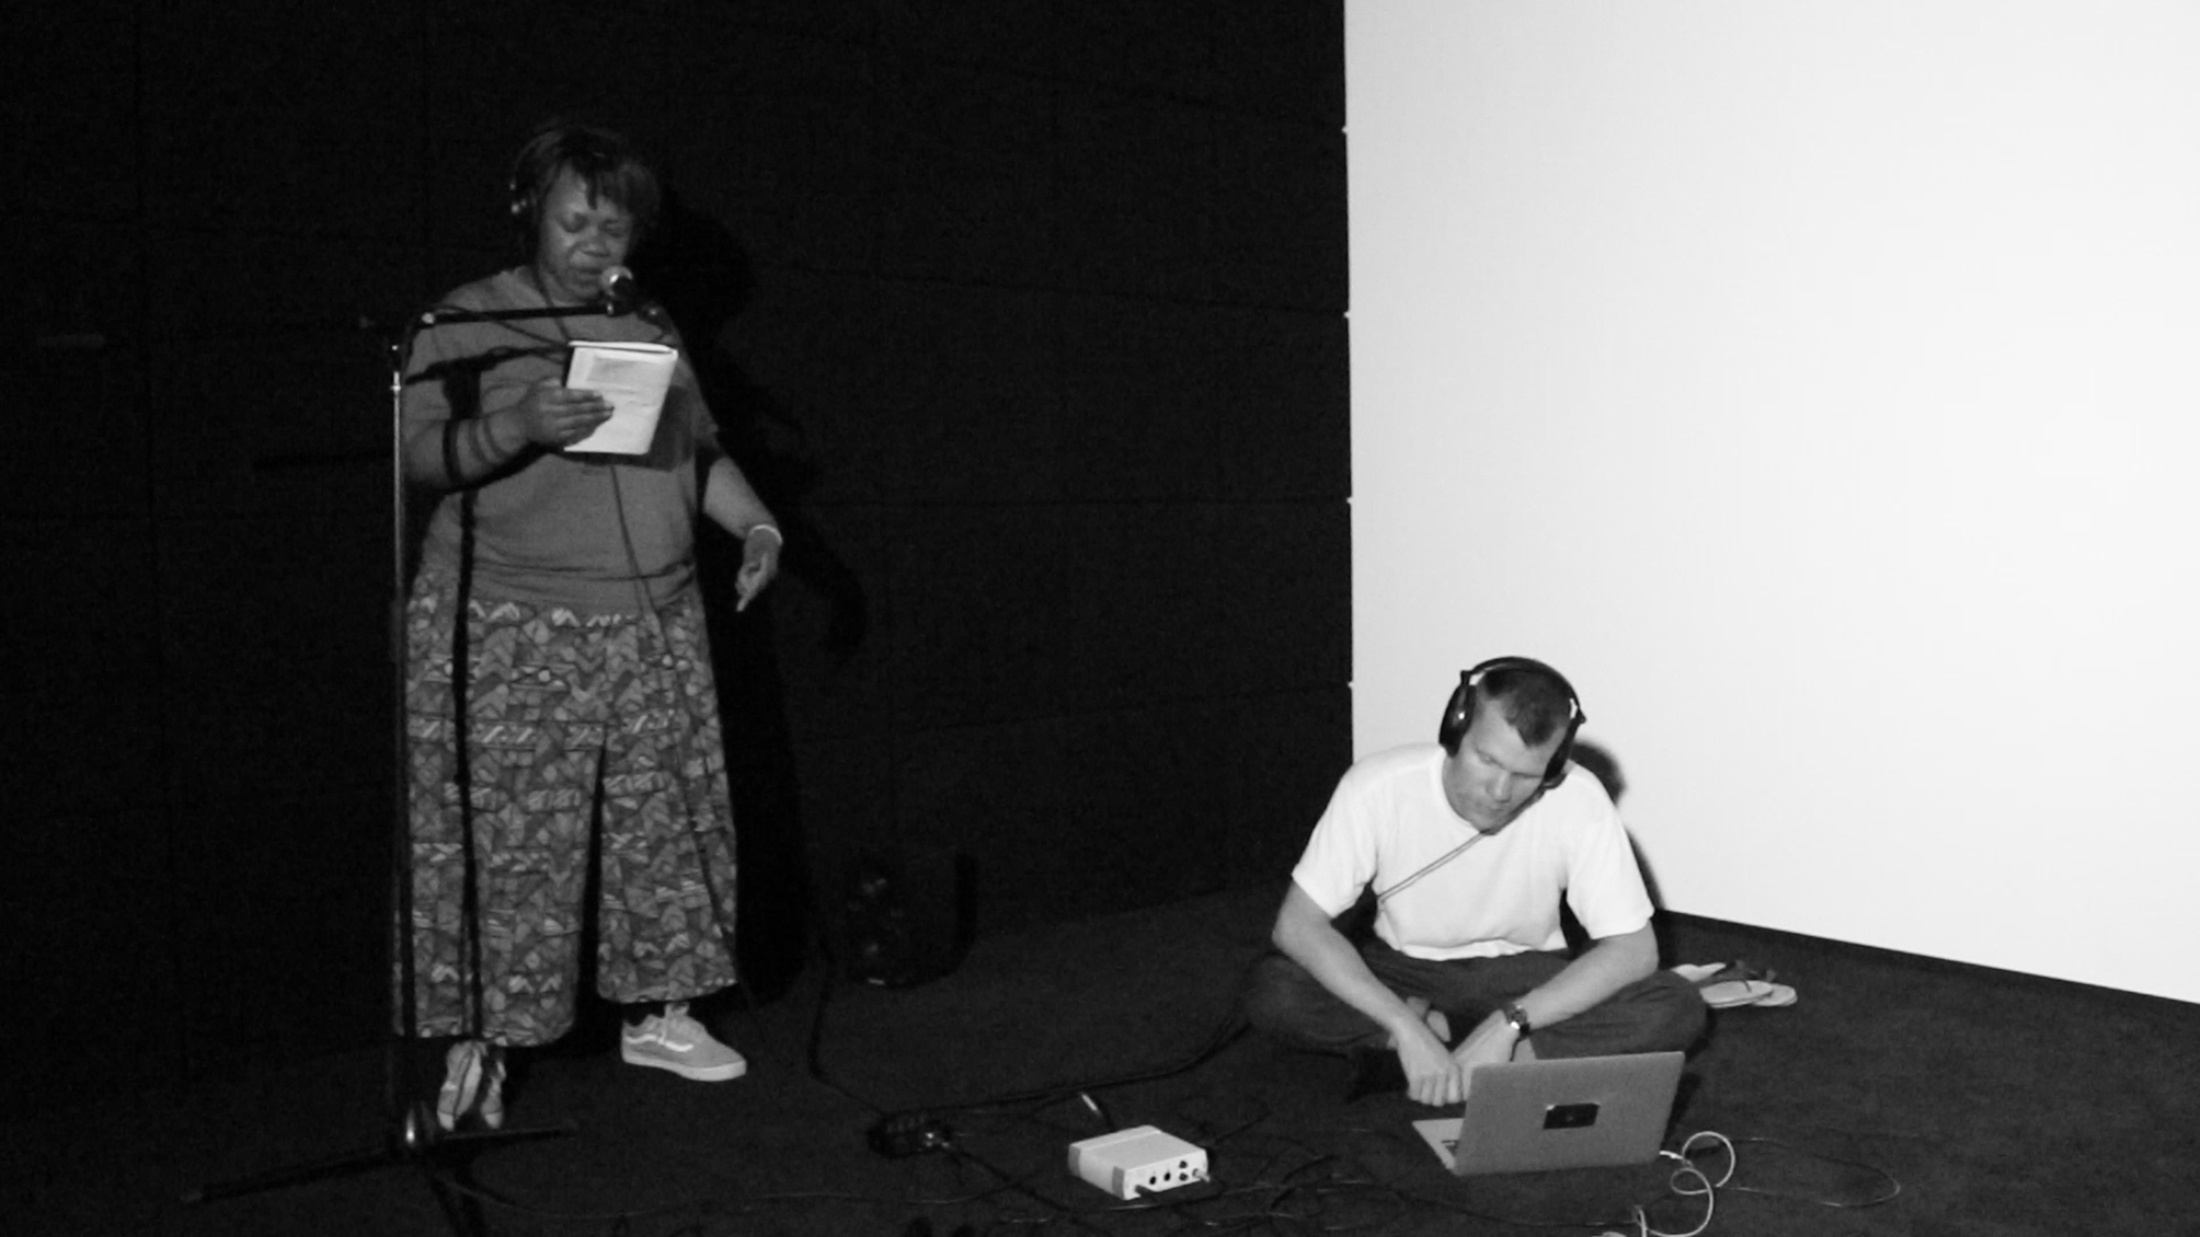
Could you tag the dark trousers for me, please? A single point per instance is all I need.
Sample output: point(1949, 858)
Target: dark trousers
point(1658, 1014)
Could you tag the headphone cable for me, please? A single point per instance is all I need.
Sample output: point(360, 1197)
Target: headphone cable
point(1430, 866)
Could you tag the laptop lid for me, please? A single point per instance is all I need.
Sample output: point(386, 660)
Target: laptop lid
point(1528, 1116)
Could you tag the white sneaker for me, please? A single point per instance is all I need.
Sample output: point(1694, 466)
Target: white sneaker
point(672, 1040)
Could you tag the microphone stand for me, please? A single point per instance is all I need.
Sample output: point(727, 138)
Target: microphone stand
point(413, 1136)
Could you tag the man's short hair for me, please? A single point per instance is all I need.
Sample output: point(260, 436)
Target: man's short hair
point(1534, 701)
point(608, 165)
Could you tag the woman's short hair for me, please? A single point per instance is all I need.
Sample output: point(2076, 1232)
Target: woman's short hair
point(606, 163)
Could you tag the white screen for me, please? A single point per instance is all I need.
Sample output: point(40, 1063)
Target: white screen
point(1816, 385)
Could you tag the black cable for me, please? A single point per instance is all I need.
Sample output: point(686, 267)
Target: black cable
point(1226, 1031)
point(652, 617)
point(813, 1059)
point(1068, 1213)
point(1893, 1184)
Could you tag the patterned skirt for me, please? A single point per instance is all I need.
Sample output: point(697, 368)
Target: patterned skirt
point(591, 748)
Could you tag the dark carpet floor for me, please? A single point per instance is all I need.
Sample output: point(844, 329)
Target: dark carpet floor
point(1898, 1095)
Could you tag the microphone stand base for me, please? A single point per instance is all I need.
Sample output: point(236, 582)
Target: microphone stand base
point(415, 1140)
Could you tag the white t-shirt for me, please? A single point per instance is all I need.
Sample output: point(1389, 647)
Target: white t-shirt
point(1500, 896)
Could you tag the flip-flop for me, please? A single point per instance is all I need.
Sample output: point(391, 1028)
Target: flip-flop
point(1730, 985)
point(1780, 995)
point(1732, 993)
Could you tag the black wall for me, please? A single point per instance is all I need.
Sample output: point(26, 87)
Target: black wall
point(1027, 316)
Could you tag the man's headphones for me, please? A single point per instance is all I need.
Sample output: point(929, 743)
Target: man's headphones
point(1459, 714)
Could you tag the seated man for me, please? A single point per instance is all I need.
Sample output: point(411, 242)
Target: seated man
point(1468, 845)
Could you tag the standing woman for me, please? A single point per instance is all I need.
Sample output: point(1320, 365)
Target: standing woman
point(584, 727)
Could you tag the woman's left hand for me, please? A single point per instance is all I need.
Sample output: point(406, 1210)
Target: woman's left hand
point(759, 564)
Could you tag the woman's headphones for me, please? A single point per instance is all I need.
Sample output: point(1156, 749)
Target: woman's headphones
point(1459, 714)
point(535, 163)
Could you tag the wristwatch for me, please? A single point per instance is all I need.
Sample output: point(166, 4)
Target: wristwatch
point(1518, 1017)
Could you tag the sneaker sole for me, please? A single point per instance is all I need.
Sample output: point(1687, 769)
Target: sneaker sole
point(713, 1073)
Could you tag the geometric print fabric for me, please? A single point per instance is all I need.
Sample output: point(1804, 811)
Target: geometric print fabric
point(594, 756)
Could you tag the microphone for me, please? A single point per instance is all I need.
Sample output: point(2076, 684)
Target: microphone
point(622, 294)
point(621, 291)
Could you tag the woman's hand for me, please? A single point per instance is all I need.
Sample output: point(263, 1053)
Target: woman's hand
point(759, 563)
point(557, 416)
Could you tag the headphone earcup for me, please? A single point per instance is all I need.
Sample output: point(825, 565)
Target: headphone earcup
point(520, 212)
point(1458, 714)
point(538, 157)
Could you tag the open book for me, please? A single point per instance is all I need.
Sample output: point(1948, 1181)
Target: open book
point(634, 378)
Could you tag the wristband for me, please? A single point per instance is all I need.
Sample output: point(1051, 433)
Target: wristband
point(1518, 1017)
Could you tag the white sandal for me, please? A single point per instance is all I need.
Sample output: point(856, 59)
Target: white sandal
point(473, 1080)
point(1730, 985)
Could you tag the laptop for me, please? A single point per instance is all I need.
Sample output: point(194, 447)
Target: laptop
point(1529, 1116)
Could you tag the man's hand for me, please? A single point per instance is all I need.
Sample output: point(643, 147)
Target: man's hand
point(1432, 1076)
point(1493, 1040)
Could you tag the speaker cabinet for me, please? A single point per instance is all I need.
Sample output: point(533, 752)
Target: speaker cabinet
point(907, 915)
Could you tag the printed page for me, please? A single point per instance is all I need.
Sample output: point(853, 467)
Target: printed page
point(634, 377)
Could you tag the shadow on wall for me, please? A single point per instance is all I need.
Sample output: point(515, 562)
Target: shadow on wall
point(698, 270)
point(1605, 767)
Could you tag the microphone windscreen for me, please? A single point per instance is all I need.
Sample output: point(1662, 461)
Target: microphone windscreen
point(621, 291)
